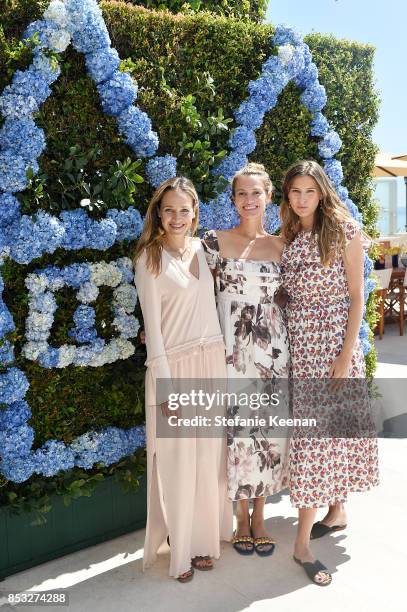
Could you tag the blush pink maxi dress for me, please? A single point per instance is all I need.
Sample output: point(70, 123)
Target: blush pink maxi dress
point(186, 477)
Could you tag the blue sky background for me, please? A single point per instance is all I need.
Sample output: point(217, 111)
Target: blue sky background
point(380, 23)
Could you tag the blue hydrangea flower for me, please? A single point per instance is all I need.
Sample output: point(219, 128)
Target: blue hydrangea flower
point(308, 77)
point(243, 139)
point(206, 219)
point(52, 458)
point(286, 36)
point(354, 211)
point(49, 71)
point(102, 65)
point(6, 320)
point(30, 237)
point(13, 386)
point(44, 302)
point(224, 211)
point(263, 92)
point(129, 223)
point(292, 59)
point(16, 441)
point(17, 469)
point(45, 30)
point(117, 94)
point(126, 268)
point(343, 193)
point(319, 125)
point(146, 145)
point(22, 138)
point(76, 274)
point(93, 35)
point(249, 115)
point(30, 83)
point(15, 415)
point(13, 172)
point(9, 209)
point(231, 164)
point(16, 106)
point(330, 145)
point(159, 169)
point(6, 353)
point(136, 128)
point(333, 168)
point(314, 97)
point(272, 221)
point(84, 318)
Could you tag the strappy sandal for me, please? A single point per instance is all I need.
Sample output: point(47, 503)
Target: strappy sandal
point(320, 529)
point(186, 576)
point(236, 540)
point(201, 568)
point(312, 569)
point(264, 541)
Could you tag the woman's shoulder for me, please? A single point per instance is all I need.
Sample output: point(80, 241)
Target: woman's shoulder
point(352, 228)
point(210, 241)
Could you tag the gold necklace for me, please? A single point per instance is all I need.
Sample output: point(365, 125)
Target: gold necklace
point(179, 255)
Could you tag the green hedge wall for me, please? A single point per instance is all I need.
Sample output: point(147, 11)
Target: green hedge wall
point(252, 9)
point(171, 57)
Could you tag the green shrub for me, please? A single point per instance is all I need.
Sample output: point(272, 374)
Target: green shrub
point(252, 9)
point(194, 64)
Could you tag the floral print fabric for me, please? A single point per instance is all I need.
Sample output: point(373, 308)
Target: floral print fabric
point(256, 348)
point(323, 470)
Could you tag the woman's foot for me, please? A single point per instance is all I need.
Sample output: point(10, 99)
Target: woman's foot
point(259, 532)
point(303, 554)
point(186, 576)
point(243, 531)
point(336, 516)
point(202, 563)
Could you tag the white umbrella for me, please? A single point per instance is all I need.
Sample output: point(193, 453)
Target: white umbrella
point(385, 165)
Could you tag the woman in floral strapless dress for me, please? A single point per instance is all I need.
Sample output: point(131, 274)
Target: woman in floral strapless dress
point(245, 262)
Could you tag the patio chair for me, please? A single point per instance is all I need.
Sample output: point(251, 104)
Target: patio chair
point(383, 278)
point(395, 302)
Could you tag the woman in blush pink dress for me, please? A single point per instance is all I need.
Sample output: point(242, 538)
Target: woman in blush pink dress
point(186, 475)
point(322, 268)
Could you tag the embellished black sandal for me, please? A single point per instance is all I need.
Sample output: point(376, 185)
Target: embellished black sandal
point(240, 544)
point(260, 543)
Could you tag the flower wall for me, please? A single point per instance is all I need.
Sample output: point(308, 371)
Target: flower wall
point(70, 385)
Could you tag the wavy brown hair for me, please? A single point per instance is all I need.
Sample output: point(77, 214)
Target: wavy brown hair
point(328, 228)
point(153, 234)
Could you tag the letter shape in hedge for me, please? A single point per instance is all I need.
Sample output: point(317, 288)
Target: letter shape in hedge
point(24, 238)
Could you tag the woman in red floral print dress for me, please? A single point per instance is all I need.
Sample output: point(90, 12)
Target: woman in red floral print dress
point(322, 267)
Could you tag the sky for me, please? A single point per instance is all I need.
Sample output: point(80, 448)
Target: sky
point(380, 23)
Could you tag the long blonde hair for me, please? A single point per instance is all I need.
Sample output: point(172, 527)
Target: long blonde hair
point(253, 169)
point(153, 234)
point(329, 216)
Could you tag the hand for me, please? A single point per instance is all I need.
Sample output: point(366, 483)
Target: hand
point(340, 368)
point(166, 412)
